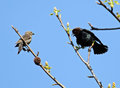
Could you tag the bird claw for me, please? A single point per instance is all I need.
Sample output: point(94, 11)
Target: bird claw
point(77, 47)
point(28, 50)
point(24, 49)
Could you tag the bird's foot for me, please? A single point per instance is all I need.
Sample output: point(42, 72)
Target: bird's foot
point(82, 47)
point(24, 49)
point(77, 47)
point(28, 50)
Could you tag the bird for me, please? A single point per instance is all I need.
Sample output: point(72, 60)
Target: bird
point(27, 37)
point(85, 38)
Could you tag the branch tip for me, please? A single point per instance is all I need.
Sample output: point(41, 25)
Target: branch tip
point(98, 3)
point(37, 53)
point(109, 10)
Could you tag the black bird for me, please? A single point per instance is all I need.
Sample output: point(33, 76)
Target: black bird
point(85, 38)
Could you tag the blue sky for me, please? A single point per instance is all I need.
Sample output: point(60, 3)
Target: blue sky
point(51, 42)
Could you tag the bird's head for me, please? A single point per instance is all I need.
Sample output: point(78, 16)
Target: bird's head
point(76, 31)
point(29, 33)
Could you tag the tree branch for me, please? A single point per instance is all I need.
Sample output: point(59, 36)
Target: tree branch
point(37, 60)
point(86, 63)
point(94, 28)
point(111, 11)
point(89, 50)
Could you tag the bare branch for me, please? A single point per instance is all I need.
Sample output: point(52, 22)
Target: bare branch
point(87, 64)
point(94, 28)
point(37, 60)
point(89, 50)
point(110, 10)
point(90, 76)
point(58, 83)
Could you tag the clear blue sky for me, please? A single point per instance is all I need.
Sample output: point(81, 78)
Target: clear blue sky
point(19, 71)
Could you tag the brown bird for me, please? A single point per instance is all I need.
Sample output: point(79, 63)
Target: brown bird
point(27, 37)
point(85, 38)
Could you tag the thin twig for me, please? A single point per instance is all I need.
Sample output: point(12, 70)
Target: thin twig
point(94, 28)
point(89, 50)
point(87, 64)
point(58, 83)
point(110, 10)
point(37, 53)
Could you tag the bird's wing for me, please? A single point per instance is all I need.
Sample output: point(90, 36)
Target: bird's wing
point(20, 47)
point(19, 41)
point(89, 32)
point(26, 37)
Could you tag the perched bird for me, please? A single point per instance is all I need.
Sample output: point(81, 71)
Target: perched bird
point(85, 38)
point(27, 37)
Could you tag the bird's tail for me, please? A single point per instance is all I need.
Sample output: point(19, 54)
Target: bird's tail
point(16, 45)
point(99, 48)
point(20, 47)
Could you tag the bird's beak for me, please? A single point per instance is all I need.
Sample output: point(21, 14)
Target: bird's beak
point(33, 34)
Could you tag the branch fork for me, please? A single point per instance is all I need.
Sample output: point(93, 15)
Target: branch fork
point(86, 63)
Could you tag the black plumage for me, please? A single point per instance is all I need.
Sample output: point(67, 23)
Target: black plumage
point(85, 38)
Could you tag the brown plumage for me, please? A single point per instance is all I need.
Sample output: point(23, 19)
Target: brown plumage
point(27, 37)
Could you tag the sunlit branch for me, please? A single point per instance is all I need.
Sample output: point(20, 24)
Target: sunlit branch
point(86, 63)
point(37, 60)
point(89, 50)
point(94, 28)
point(110, 10)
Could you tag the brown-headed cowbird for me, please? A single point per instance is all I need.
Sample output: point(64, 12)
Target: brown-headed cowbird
point(27, 37)
point(85, 38)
